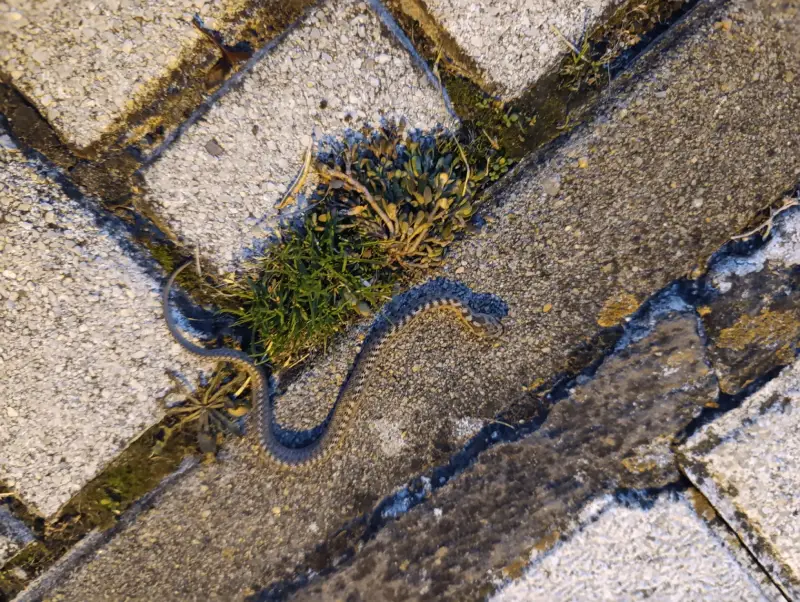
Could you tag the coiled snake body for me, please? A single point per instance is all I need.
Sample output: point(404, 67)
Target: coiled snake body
point(348, 398)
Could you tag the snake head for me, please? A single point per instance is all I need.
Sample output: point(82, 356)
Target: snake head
point(487, 325)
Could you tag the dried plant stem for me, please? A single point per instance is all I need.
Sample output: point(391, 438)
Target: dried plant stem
point(572, 47)
point(788, 203)
point(466, 164)
point(332, 174)
point(289, 197)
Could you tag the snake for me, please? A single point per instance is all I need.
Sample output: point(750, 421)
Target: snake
point(347, 400)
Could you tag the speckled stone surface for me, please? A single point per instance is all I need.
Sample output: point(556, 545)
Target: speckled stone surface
point(83, 344)
point(218, 185)
point(659, 550)
point(84, 63)
point(679, 158)
point(513, 42)
point(748, 465)
point(14, 535)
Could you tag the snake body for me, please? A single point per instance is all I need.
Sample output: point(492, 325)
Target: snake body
point(347, 400)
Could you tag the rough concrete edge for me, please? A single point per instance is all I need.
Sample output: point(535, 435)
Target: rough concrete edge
point(731, 541)
point(81, 552)
point(760, 548)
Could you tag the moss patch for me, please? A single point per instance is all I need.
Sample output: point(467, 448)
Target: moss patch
point(616, 308)
point(766, 329)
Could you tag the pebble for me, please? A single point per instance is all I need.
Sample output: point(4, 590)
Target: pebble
point(551, 186)
point(214, 149)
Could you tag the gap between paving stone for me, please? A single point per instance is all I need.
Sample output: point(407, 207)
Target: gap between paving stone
point(97, 538)
point(746, 464)
point(512, 44)
point(126, 66)
point(253, 526)
point(218, 184)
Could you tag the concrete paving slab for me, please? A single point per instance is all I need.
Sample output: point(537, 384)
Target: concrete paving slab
point(84, 63)
point(14, 535)
point(513, 42)
point(255, 526)
point(612, 226)
point(218, 185)
point(746, 464)
point(639, 550)
point(83, 344)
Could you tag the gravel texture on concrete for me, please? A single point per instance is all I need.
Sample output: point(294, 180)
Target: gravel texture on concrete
point(14, 535)
point(661, 550)
point(747, 464)
point(513, 42)
point(680, 157)
point(84, 63)
point(218, 185)
point(83, 344)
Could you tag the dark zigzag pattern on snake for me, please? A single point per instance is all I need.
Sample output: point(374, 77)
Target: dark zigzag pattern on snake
point(348, 398)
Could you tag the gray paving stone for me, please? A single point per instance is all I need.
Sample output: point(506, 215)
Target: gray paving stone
point(84, 63)
point(83, 344)
point(659, 551)
point(14, 535)
point(513, 42)
point(217, 186)
point(747, 464)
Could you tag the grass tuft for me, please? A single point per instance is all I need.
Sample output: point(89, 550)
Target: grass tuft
point(308, 287)
point(388, 204)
